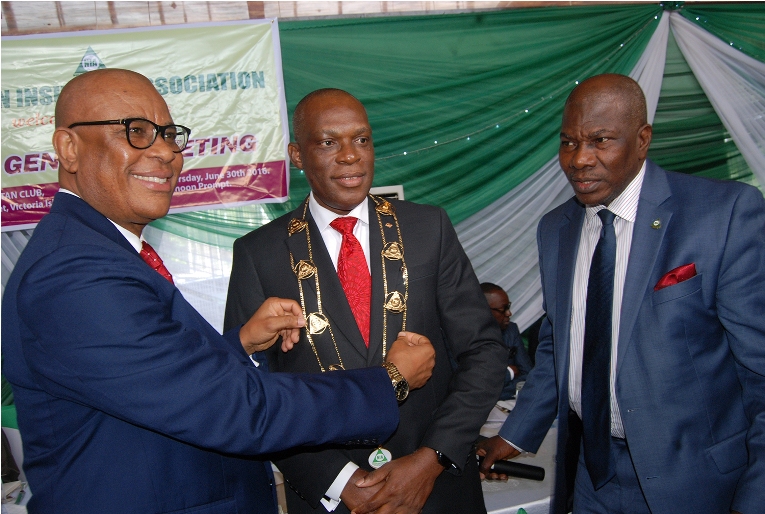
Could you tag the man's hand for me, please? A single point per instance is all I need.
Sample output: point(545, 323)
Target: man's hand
point(407, 483)
point(354, 496)
point(494, 449)
point(414, 356)
point(276, 317)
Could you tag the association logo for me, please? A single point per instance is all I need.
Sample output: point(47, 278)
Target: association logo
point(89, 62)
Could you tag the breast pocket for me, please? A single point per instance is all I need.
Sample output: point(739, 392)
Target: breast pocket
point(683, 289)
point(420, 271)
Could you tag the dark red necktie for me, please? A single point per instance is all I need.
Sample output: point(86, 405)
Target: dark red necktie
point(152, 259)
point(354, 274)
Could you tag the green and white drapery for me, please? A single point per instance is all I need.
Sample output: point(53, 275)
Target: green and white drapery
point(500, 239)
point(466, 112)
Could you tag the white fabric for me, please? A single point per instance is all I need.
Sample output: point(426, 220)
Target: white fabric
point(200, 271)
point(332, 499)
point(334, 239)
point(734, 84)
point(625, 207)
point(500, 239)
point(649, 70)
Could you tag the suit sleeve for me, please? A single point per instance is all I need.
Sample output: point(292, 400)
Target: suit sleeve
point(100, 331)
point(521, 358)
point(245, 293)
point(475, 343)
point(741, 309)
point(528, 423)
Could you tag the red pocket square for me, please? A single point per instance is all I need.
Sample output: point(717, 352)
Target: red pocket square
point(677, 275)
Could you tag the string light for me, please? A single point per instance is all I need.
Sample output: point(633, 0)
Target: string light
point(560, 90)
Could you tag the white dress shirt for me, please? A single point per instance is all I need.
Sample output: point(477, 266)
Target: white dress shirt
point(625, 207)
point(332, 241)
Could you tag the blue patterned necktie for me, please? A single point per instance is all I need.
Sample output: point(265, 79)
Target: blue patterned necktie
point(596, 363)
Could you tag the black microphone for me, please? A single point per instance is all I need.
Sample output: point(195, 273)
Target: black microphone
point(516, 469)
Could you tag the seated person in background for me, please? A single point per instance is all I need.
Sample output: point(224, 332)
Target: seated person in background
point(518, 362)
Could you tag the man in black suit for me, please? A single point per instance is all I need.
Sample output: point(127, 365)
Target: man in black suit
point(420, 280)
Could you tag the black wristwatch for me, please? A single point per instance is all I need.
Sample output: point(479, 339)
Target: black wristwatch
point(400, 385)
point(445, 461)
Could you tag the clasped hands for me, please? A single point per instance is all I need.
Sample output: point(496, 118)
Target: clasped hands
point(399, 487)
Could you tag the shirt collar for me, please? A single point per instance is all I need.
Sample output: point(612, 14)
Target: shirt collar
point(323, 216)
point(135, 241)
point(625, 205)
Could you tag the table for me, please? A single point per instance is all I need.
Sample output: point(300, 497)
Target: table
point(533, 496)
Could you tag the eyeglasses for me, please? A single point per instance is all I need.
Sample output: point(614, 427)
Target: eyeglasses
point(501, 310)
point(142, 133)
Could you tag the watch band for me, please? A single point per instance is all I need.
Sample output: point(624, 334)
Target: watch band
point(400, 384)
point(445, 461)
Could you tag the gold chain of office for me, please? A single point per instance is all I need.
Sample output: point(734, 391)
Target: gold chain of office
point(395, 302)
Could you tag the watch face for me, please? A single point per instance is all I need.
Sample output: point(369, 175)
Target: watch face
point(402, 390)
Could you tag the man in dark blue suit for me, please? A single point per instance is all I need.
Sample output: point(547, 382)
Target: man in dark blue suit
point(684, 394)
point(128, 400)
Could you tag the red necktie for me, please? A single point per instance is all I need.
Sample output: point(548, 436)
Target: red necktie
point(152, 259)
point(354, 274)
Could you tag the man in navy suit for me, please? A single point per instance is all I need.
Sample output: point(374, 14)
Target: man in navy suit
point(685, 389)
point(128, 400)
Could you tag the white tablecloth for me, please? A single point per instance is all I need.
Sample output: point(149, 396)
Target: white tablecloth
point(533, 496)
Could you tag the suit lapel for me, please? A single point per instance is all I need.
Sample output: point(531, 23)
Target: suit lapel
point(646, 242)
point(78, 208)
point(334, 303)
point(376, 320)
point(568, 246)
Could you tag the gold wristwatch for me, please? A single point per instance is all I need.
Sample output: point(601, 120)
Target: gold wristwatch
point(400, 385)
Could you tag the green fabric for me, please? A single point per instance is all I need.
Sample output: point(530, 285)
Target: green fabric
point(448, 78)
point(9, 417)
point(7, 392)
point(742, 24)
point(688, 136)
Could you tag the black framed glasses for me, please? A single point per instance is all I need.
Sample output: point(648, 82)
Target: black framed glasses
point(502, 310)
point(142, 133)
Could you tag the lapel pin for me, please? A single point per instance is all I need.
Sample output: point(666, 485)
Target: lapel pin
point(389, 225)
point(656, 224)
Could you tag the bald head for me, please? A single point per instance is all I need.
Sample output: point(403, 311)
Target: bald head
point(309, 103)
point(83, 91)
point(614, 89)
point(604, 137)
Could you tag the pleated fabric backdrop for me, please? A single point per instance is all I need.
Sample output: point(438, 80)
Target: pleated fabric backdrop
point(465, 111)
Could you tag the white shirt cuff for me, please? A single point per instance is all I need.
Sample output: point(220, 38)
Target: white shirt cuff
point(512, 373)
point(514, 446)
point(332, 497)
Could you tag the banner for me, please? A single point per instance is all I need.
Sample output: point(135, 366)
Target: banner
point(224, 81)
